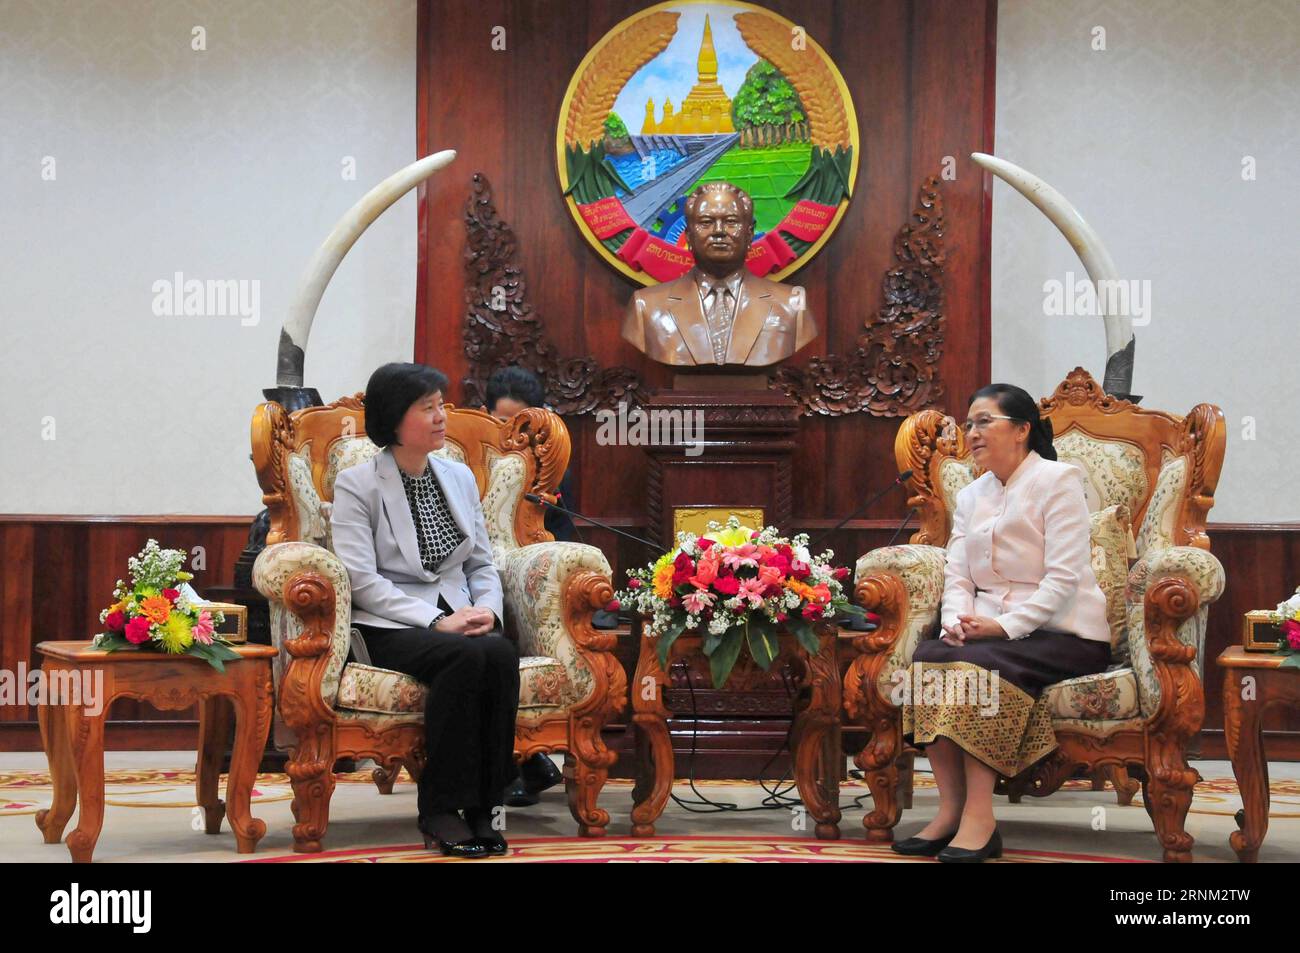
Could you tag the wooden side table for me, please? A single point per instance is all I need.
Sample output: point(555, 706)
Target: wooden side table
point(74, 738)
point(815, 740)
point(1243, 732)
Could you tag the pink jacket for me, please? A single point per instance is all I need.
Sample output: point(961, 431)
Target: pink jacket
point(1020, 553)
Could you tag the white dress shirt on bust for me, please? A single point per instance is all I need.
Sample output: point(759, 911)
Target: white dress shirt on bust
point(1020, 553)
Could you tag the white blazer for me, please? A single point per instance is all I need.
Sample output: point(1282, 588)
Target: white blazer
point(374, 537)
point(1020, 553)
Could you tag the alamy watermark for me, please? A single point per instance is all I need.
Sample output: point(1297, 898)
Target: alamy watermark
point(942, 685)
point(179, 296)
point(1081, 296)
point(658, 427)
point(84, 688)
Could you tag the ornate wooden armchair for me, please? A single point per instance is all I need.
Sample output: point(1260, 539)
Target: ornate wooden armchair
point(1141, 713)
point(329, 708)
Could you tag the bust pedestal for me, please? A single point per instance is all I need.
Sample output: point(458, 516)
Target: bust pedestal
point(745, 462)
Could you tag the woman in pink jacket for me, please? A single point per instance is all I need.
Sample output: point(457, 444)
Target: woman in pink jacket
point(1021, 611)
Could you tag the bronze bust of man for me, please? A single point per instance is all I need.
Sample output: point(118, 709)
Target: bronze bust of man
point(719, 312)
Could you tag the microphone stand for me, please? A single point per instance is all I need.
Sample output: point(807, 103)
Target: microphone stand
point(534, 498)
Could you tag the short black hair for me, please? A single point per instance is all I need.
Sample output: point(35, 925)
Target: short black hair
point(517, 382)
point(391, 391)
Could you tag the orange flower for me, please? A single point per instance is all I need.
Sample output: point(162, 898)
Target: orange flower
point(664, 581)
point(156, 609)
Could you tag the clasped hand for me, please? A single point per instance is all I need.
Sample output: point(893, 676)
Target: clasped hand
point(469, 620)
point(972, 627)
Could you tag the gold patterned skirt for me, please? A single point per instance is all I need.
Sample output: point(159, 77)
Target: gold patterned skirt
point(982, 695)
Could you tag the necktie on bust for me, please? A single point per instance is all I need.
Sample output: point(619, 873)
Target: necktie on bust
point(719, 312)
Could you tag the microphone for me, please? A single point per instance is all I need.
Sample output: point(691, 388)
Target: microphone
point(534, 498)
point(901, 478)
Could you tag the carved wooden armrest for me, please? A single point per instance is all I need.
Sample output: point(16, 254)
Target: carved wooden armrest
point(904, 586)
point(311, 585)
point(552, 590)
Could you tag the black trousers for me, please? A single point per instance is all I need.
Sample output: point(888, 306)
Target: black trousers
point(469, 716)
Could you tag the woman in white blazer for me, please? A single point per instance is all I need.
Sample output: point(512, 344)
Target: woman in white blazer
point(1021, 611)
point(409, 528)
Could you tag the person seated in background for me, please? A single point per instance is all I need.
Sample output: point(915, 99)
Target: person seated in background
point(426, 597)
point(510, 390)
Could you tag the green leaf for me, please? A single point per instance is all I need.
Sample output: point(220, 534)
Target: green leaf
point(763, 642)
point(668, 638)
point(1291, 661)
point(803, 631)
point(722, 661)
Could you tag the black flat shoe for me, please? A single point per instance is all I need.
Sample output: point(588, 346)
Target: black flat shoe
point(963, 855)
point(920, 847)
point(494, 845)
point(517, 795)
point(539, 773)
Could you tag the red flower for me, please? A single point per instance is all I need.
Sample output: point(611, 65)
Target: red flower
point(727, 585)
point(782, 616)
point(137, 630)
point(873, 618)
point(172, 594)
point(706, 543)
point(785, 550)
point(841, 573)
point(779, 561)
point(116, 621)
point(634, 583)
point(1291, 632)
point(754, 535)
point(612, 606)
point(683, 562)
point(812, 612)
point(800, 569)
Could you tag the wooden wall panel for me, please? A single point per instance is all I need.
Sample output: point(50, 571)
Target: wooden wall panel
point(59, 572)
point(920, 73)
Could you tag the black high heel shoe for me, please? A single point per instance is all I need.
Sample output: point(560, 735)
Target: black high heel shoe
point(964, 855)
point(920, 847)
point(469, 848)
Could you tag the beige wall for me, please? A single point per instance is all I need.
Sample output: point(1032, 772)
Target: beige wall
point(220, 164)
point(1147, 140)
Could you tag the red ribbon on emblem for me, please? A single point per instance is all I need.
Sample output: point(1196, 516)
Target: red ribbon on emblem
point(655, 257)
point(807, 220)
point(770, 253)
point(606, 217)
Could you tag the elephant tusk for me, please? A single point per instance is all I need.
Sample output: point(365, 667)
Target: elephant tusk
point(1092, 253)
point(291, 355)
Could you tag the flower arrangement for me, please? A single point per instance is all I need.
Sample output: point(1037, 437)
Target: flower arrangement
point(736, 585)
point(160, 611)
point(1287, 619)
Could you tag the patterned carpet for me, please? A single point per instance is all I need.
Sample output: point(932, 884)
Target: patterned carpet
point(544, 834)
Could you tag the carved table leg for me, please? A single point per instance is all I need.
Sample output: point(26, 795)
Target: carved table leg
point(817, 719)
point(1243, 733)
point(252, 720)
point(214, 732)
point(63, 774)
point(86, 733)
point(654, 744)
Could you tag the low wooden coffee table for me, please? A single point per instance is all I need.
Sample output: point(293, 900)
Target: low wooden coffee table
point(1243, 732)
point(815, 737)
point(74, 739)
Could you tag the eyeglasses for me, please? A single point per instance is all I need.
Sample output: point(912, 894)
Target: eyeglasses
point(981, 423)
